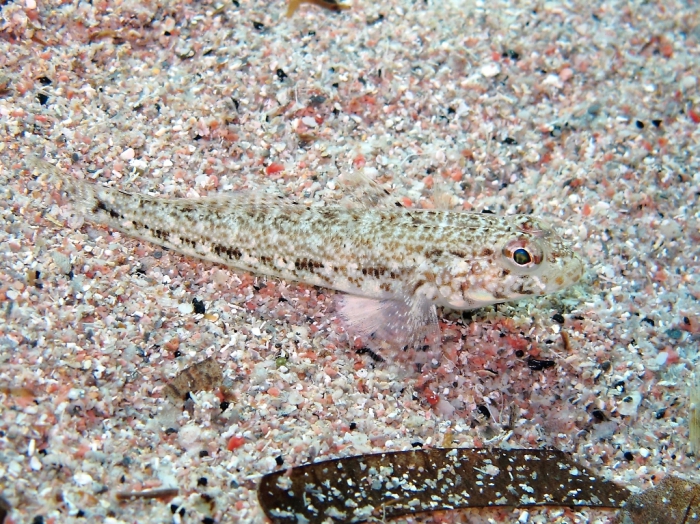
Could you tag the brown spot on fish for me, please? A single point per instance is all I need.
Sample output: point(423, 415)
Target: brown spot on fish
point(522, 290)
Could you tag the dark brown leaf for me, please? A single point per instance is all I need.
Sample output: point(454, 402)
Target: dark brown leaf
point(385, 485)
point(203, 376)
point(673, 501)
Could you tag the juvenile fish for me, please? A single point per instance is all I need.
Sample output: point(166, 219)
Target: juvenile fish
point(395, 264)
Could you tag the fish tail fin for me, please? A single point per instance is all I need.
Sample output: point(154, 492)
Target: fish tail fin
point(82, 195)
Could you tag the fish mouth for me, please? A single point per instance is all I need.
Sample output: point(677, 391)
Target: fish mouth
point(567, 272)
point(554, 274)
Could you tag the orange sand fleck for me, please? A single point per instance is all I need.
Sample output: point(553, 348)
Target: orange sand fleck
point(660, 276)
point(694, 115)
point(235, 443)
point(666, 49)
point(82, 450)
point(274, 168)
point(274, 391)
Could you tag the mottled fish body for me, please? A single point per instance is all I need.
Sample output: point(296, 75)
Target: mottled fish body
point(396, 264)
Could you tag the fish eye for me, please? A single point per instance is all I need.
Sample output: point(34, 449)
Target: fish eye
point(521, 257)
point(523, 252)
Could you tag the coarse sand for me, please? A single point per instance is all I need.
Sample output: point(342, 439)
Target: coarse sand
point(586, 114)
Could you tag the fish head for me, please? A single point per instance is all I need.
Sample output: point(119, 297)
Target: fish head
point(507, 258)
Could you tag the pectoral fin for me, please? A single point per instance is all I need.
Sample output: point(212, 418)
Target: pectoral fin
point(397, 324)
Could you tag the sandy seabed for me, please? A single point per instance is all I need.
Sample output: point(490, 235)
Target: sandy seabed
point(585, 114)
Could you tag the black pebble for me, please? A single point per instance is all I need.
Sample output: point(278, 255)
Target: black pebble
point(317, 100)
point(279, 460)
point(639, 124)
point(353, 426)
point(43, 99)
point(558, 317)
point(656, 122)
point(629, 456)
point(202, 481)
point(258, 25)
point(660, 414)
point(199, 308)
point(484, 411)
point(45, 80)
point(538, 365)
point(598, 415)
point(203, 453)
point(281, 74)
point(519, 353)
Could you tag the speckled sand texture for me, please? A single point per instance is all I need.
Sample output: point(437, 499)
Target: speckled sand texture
point(587, 116)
